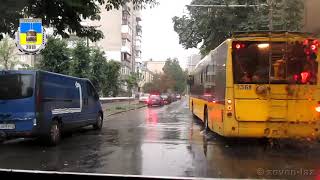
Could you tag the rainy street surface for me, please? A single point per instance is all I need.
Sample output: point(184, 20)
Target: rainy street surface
point(164, 141)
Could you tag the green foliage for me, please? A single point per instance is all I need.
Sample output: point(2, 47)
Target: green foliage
point(97, 69)
point(211, 26)
point(7, 54)
point(81, 60)
point(64, 15)
point(132, 80)
point(84, 62)
point(149, 87)
point(174, 75)
point(111, 86)
point(56, 57)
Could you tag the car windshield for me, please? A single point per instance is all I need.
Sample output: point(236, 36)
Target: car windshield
point(171, 89)
point(16, 86)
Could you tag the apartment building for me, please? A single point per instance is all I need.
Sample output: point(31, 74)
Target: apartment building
point(122, 36)
point(146, 76)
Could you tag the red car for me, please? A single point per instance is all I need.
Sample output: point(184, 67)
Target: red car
point(155, 100)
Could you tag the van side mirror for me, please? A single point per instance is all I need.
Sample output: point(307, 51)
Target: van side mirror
point(190, 80)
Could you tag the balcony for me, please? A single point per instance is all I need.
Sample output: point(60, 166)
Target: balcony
point(126, 49)
point(138, 48)
point(139, 28)
point(138, 42)
point(138, 37)
point(126, 29)
point(138, 15)
point(126, 32)
point(126, 36)
point(126, 58)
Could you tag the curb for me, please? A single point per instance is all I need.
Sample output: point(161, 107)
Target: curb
point(126, 111)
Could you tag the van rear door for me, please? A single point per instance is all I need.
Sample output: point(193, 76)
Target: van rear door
point(17, 100)
point(93, 99)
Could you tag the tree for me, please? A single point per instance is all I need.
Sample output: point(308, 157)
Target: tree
point(149, 87)
point(81, 60)
point(112, 74)
point(211, 26)
point(173, 79)
point(55, 57)
point(104, 75)
point(132, 81)
point(97, 69)
point(174, 75)
point(64, 15)
point(7, 54)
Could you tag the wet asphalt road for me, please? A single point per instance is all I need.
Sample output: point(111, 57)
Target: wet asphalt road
point(164, 141)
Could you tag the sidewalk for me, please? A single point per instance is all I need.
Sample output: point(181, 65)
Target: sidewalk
point(119, 107)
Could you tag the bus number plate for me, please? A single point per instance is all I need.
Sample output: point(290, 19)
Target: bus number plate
point(245, 87)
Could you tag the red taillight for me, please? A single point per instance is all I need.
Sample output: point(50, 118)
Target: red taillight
point(304, 77)
point(313, 47)
point(296, 77)
point(238, 46)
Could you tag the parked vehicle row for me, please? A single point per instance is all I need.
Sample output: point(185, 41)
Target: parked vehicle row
point(161, 99)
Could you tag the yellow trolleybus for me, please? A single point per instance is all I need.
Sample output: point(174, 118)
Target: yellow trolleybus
point(263, 84)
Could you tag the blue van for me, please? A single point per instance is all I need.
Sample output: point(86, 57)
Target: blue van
point(45, 105)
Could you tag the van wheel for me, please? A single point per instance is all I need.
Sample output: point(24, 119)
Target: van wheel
point(54, 136)
point(99, 123)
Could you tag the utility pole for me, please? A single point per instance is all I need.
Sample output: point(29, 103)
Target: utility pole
point(270, 3)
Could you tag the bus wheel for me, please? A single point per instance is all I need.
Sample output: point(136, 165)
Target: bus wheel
point(99, 123)
point(206, 122)
point(194, 116)
point(54, 135)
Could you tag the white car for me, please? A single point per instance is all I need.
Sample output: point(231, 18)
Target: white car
point(144, 98)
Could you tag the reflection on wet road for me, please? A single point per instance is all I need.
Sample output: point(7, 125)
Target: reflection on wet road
point(164, 141)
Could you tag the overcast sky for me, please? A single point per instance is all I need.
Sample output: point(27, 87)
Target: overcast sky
point(159, 40)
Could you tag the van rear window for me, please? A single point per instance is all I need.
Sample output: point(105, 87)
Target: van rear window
point(16, 86)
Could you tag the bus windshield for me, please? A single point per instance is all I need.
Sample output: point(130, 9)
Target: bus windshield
point(276, 63)
point(16, 86)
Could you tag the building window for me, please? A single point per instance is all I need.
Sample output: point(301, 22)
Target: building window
point(125, 57)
